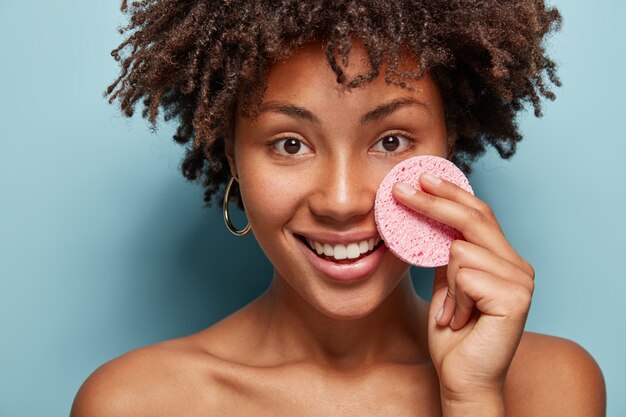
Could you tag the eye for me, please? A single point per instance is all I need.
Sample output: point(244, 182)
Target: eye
point(290, 147)
point(394, 143)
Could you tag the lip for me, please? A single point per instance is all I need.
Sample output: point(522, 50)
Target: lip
point(346, 271)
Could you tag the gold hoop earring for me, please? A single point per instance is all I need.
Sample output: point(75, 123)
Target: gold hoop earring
point(229, 225)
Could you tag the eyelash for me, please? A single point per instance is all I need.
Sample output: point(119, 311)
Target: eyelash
point(410, 138)
point(273, 145)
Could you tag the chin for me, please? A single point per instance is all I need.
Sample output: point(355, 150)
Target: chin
point(359, 301)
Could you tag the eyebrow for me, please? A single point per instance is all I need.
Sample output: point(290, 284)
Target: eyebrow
point(289, 110)
point(378, 113)
point(386, 109)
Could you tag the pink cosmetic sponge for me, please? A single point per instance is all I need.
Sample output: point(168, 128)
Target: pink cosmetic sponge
point(411, 236)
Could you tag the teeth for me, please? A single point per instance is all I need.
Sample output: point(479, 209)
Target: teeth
point(318, 248)
point(364, 246)
point(353, 251)
point(340, 251)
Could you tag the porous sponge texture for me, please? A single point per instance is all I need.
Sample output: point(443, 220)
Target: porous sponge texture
point(411, 236)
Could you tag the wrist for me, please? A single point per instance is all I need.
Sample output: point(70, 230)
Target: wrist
point(484, 404)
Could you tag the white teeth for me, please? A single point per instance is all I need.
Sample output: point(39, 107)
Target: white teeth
point(319, 248)
point(353, 251)
point(340, 251)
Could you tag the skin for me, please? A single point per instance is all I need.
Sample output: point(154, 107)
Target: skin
point(310, 346)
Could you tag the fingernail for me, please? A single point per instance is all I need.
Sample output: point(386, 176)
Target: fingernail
point(405, 189)
point(439, 314)
point(431, 178)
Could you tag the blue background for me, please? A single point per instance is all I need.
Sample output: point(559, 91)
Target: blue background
point(104, 247)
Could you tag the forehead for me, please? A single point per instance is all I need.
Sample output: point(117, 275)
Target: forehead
point(306, 77)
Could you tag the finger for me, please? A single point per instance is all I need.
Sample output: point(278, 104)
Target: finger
point(465, 254)
point(471, 222)
point(491, 295)
point(449, 302)
point(446, 312)
point(486, 292)
point(457, 306)
point(449, 190)
point(440, 288)
point(464, 304)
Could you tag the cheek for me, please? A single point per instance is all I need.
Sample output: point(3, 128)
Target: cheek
point(270, 198)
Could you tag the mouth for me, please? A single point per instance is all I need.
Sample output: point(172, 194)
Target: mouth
point(342, 253)
point(345, 261)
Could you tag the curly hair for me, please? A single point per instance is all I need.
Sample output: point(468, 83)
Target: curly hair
point(198, 60)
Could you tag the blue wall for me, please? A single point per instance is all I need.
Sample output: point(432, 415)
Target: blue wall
point(104, 247)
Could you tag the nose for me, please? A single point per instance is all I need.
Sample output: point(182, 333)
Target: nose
point(343, 191)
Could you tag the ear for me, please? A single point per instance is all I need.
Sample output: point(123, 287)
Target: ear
point(229, 150)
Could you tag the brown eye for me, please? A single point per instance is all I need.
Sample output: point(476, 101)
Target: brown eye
point(393, 144)
point(292, 146)
point(390, 143)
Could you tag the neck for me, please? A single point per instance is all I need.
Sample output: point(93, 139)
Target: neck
point(394, 332)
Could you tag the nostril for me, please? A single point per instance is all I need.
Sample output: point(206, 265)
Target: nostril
point(345, 210)
point(343, 192)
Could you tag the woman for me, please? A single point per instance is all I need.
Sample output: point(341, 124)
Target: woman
point(304, 107)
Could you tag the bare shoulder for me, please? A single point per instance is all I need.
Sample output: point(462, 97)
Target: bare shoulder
point(191, 376)
point(165, 379)
point(552, 376)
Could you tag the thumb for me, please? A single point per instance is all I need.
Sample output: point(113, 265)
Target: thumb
point(440, 289)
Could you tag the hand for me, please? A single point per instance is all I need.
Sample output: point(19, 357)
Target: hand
point(480, 299)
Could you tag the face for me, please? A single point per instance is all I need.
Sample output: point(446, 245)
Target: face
point(309, 167)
